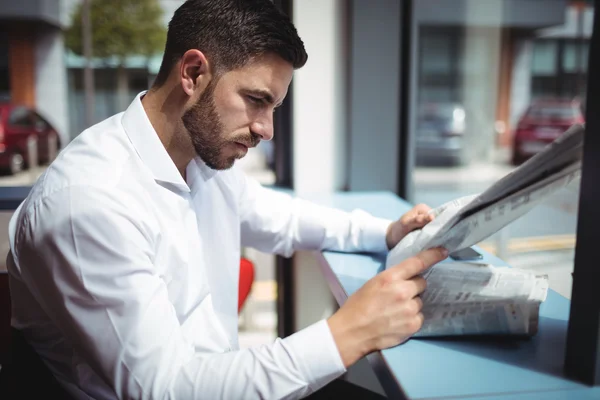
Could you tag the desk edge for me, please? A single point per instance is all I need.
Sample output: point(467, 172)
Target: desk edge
point(390, 384)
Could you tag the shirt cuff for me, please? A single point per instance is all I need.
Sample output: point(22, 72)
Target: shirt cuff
point(373, 232)
point(317, 354)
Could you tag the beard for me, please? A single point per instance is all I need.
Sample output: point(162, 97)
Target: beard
point(207, 134)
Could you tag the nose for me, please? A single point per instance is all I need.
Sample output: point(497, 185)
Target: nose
point(263, 127)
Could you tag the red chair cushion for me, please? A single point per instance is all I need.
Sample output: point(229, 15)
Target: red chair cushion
point(246, 280)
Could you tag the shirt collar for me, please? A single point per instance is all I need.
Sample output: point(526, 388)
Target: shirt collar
point(152, 152)
point(206, 171)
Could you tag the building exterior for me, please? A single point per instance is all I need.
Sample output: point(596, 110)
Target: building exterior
point(140, 73)
point(32, 67)
point(515, 50)
point(36, 69)
point(466, 49)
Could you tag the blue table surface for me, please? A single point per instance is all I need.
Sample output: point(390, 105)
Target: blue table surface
point(482, 368)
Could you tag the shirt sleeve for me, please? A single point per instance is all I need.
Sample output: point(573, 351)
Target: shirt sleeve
point(88, 260)
point(274, 221)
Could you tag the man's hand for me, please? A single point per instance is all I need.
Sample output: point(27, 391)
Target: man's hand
point(385, 311)
point(416, 218)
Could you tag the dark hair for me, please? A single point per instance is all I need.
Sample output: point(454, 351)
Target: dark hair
point(230, 33)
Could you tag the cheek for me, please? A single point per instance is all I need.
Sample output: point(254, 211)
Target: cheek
point(235, 113)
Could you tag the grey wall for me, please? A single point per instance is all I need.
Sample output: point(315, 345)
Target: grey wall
point(513, 13)
point(480, 73)
point(520, 92)
point(51, 80)
point(48, 11)
point(374, 95)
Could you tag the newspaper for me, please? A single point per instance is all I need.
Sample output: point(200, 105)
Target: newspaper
point(466, 221)
point(481, 299)
point(472, 298)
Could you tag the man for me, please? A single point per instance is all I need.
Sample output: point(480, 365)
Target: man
point(124, 257)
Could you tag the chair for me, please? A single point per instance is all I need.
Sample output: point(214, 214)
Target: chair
point(245, 286)
point(246, 281)
point(27, 367)
point(5, 333)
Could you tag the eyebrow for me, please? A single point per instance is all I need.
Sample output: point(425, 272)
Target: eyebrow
point(264, 94)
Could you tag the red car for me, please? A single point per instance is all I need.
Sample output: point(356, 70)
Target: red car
point(544, 121)
point(18, 124)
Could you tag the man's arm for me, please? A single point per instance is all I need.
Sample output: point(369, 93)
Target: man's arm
point(89, 262)
point(276, 222)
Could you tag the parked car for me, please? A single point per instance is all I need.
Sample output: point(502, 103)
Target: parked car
point(18, 125)
point(543, 122)
point(440, 131)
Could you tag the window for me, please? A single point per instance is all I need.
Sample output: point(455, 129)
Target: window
point(575, 57)
point(476, 77)
point(39, 122)
point(559, 67)
point(565, 112)
point(20, 117)
point(439, 55)
point(545, 55)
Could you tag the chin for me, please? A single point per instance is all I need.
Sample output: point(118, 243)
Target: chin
point(221, 165)
point(228, 165)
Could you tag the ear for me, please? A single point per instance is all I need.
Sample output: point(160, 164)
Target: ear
point(194, 71)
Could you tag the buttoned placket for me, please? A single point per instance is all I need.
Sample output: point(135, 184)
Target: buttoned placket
point(195, 180)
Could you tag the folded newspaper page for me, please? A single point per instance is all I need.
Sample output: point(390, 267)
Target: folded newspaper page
point(480, 299)
point(466, 221)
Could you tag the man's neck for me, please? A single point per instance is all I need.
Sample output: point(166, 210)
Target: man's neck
point(163, 107)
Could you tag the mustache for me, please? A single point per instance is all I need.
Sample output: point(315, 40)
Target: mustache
point(251, 140)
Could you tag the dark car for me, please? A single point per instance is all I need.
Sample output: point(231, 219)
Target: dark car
point(18, 125)
point(543, 122)
point(440, 134)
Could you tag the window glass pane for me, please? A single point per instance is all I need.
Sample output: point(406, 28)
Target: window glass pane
point(492, 92)
point(585, 52)
point(570, 57)
point(544, 57)
point(20, 117)
point(553, 111)
point(39, 122)
point(436, 54)
point(575, 56)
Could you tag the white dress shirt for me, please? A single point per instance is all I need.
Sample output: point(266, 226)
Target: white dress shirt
point(125, 276)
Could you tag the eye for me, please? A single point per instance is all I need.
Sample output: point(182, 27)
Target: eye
point(255, 100)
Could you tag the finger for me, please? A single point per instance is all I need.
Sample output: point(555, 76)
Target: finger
point(420, 284)
point(418, 221)
point(422, 208)
point(413, 266)
point(424, 219)
point(410, 216)
point(419, 302)
point(416, 305)
point(409, 289)
point(417, 323)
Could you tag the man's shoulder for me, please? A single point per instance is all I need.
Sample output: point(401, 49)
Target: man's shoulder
point(53, 205)
point(100, 157)
point(100, 162)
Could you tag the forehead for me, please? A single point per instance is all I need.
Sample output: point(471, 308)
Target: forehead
point(268, 72)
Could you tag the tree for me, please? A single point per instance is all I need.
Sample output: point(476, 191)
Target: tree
point(120, 28)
